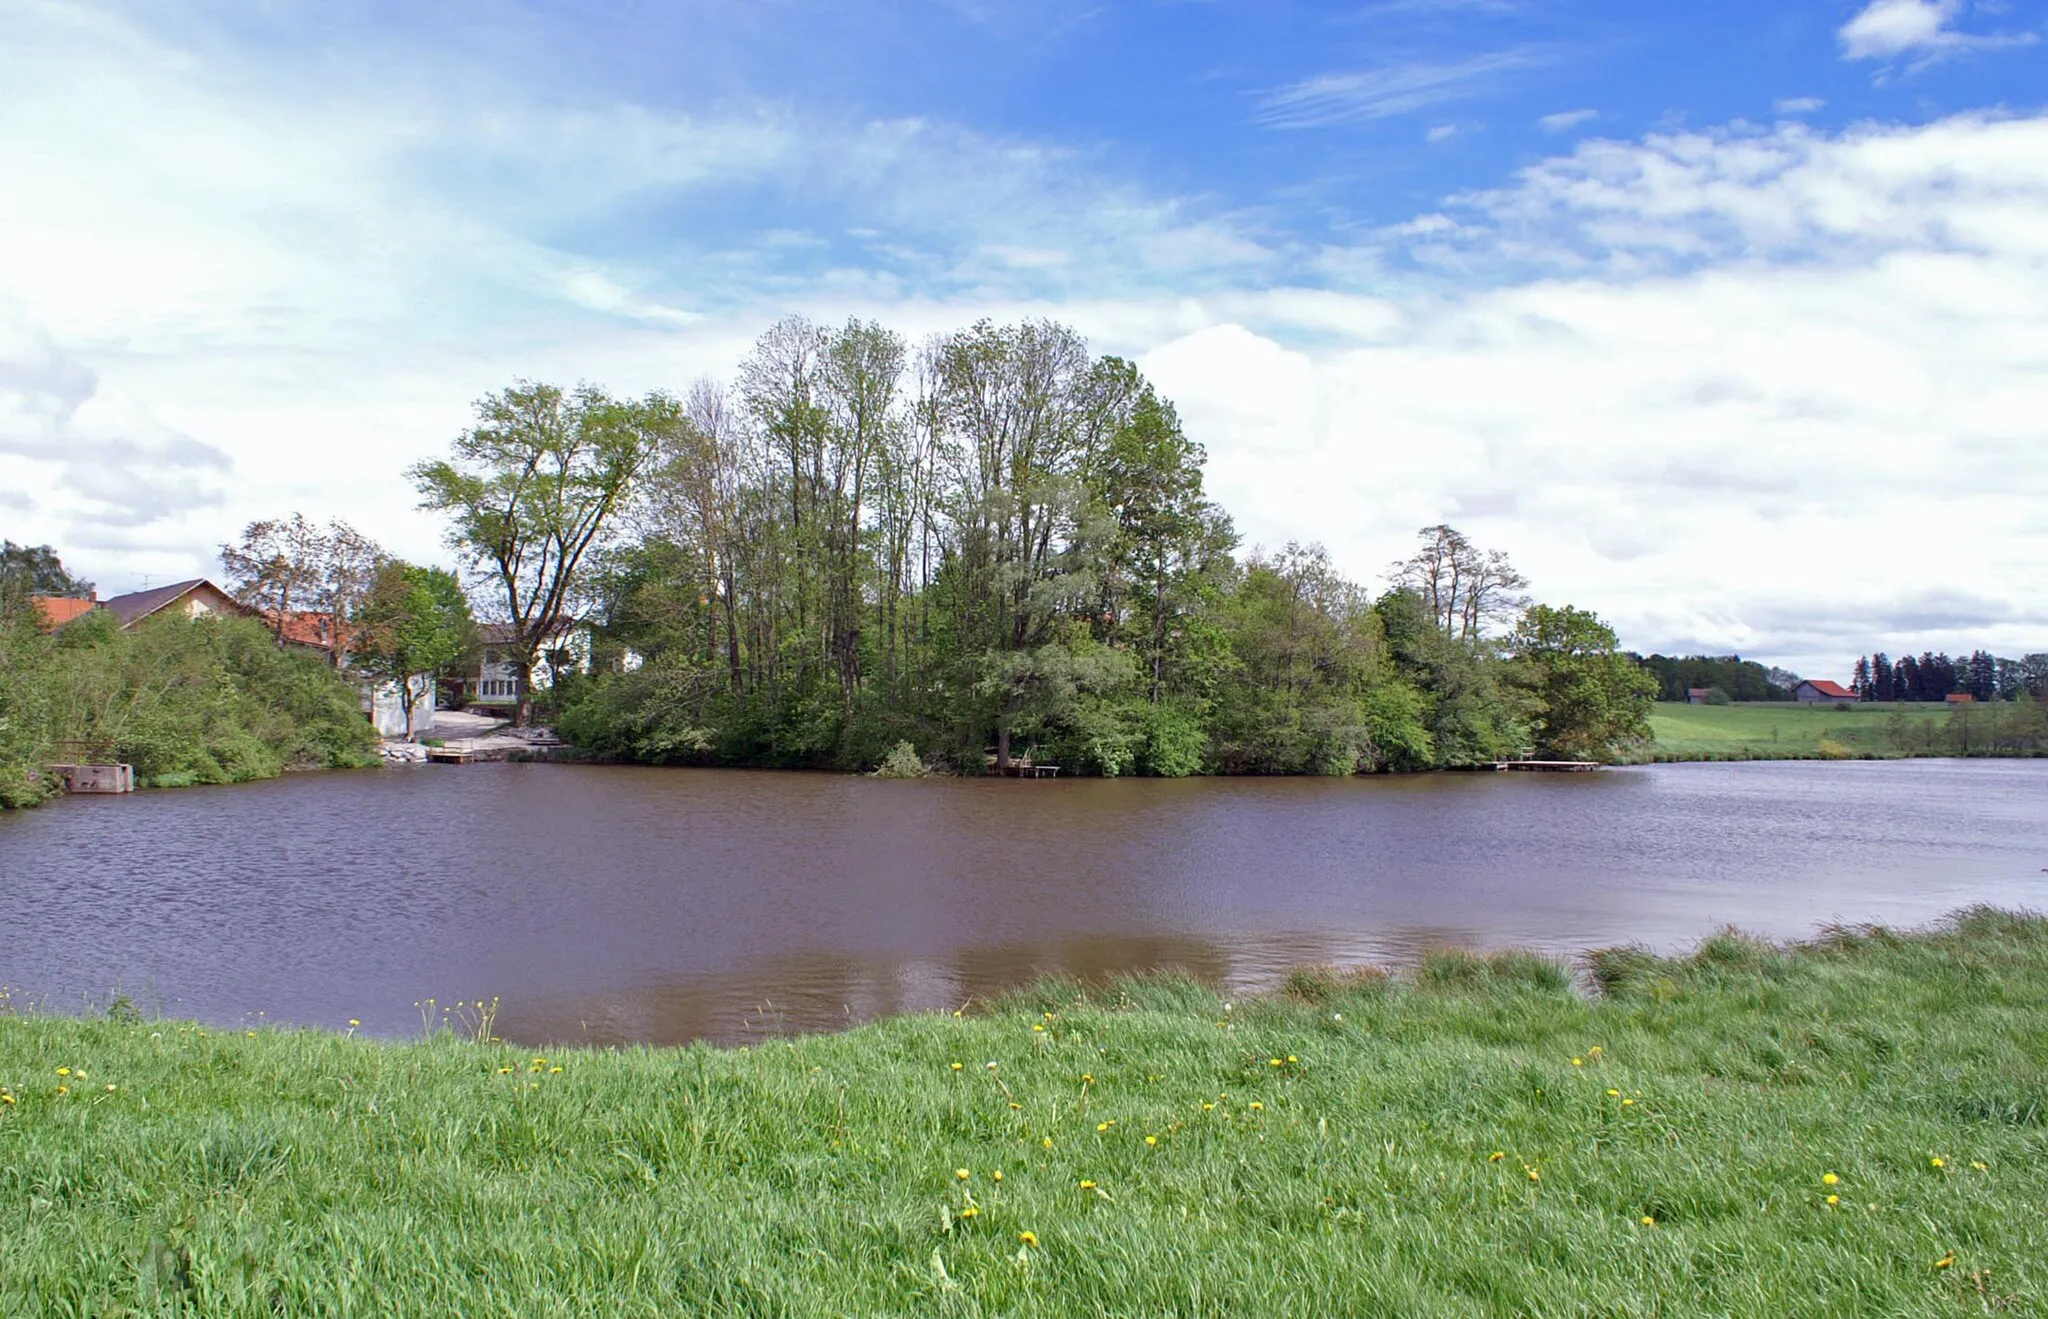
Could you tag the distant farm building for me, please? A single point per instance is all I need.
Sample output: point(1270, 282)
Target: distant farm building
point(1696, 696)
point(1961, 698)
point(1819, 691)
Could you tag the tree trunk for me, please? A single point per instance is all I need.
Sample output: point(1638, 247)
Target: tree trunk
point(522, 710)
point(1003, 747)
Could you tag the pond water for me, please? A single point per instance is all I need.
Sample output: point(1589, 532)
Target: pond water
point(611, 904)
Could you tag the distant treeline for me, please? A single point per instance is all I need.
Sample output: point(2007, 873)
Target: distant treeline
point(1936, 677)
point(1734, 678)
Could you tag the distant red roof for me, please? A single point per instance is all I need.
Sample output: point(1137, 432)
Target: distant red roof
point(1833, 689)
point(57, 610)
point(303, 628)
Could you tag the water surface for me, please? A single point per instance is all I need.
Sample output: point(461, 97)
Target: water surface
point(617, 904)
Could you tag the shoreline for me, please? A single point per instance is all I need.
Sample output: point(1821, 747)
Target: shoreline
point(1479, 1138)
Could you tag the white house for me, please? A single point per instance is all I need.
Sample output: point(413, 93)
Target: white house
point(567, 649)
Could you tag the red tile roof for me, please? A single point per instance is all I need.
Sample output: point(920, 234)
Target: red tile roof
point(57, 610)
point(303, 628)
point(1834, 689)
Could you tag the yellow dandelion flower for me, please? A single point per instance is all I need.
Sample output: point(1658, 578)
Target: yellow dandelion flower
point(553, 1071)
point(969, 1212)
point(1614, 1094)
point(1496, 1156)
point(1038, 1027)
point(6, 1099)
point(958, 1066)
point(1578, 1062)
point(1593, 1052)
point(1047, 1142)
point(1276, 1063)
point(1087, 1185)
point(1208, 1108)
point(63, 1089)
point(1828, 1179)
point(1627, 1102)
point(111, 1087)
point(1534, 1176)
point(997, 1174)
point(1649, 1220)
point(1980, 1167)
point(962, 1173)
point(504, 1071)
point(1015, 1104)
point(1028, 1238)
point(1257, 1107)
point(353, 1022)
point(1101, 1127)
point(63, 1071)
point(1151, 1140)
point(1087, 1078)
point(1937, 1162)
point(1945, 1260)
point(1834, 1200)
point(1291, 1058)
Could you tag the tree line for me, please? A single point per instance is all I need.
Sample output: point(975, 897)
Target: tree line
point(989, 546)
point(1935, 677)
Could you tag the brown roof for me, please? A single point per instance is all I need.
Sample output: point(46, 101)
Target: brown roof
point(57, 610)
point(1827, 688)
point(133, 608)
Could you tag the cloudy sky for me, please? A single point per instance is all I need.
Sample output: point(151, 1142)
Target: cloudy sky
point(1728, 321)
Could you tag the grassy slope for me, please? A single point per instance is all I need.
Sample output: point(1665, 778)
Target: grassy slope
point(317, 1174)
point(1777, 730)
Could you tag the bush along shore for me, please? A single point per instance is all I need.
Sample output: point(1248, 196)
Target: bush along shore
point(1857, 1125)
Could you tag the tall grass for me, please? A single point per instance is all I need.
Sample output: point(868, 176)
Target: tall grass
point(1486, 1138)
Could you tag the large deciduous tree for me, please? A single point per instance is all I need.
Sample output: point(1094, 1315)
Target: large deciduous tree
point(531, 492)
point(1589, 698)
point(413, 623)
point(1464, 587)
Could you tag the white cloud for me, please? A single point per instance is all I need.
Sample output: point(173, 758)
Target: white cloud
point(1441, 133)
point(1362, 95)
point(1777, 391)
point(1799, 105)
point(1885, 29)
point(1565, 120)
point(1757, 374)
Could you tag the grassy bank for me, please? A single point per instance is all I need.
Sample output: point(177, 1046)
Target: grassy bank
point(1786, 731)
point(1484, 1141)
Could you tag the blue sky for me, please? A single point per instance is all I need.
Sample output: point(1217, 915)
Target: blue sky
point(1684, 306)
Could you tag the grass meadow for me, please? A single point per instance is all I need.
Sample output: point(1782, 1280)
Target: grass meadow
point(1854, 1126)
point(1782, 730)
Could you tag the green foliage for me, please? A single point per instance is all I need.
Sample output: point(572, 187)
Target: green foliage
point(1736, 678)
point(1593, 700)
point(1472, 1140)
point(210, 700)
point(902, 762)
point(31, 570)
point(413, 624)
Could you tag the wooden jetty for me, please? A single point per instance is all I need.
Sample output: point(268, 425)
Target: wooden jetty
point(1548, 766)
point(1021, 770)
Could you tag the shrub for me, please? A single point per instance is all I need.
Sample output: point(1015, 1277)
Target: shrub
point(902, 762)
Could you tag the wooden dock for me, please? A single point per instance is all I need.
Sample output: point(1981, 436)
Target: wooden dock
point(1033, 771)
point(1548, 766)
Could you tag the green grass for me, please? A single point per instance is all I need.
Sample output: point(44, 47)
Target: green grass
point(210, 1172)
point(1780, 730)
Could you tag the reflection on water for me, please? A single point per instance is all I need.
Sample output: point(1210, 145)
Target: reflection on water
point(615, 904)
